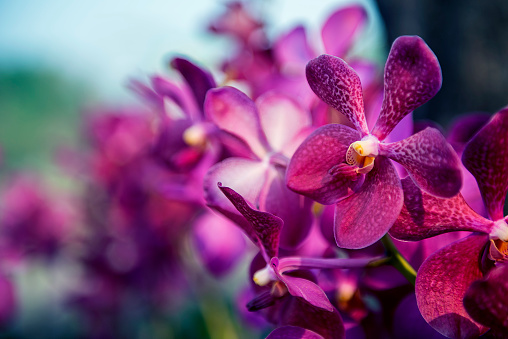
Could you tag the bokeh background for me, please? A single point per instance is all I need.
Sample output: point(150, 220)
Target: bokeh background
point(59, 59)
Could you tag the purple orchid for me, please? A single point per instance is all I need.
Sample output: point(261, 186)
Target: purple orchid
point(266, 133)
point(450, 273)
point(309, 308)
point(351, 168)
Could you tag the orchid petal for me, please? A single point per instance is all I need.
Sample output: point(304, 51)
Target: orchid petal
point(364, 217)
point(464, 128)
point(245, 176)
point(341, 28)
point(293, 208)
point(412, 77)
point(292, 51)
point(303, 288)
point(293, 332)
point(309, 171)
point(199, 80)
point(325, 323)
point(486, 157)
point(338, 85)
point(430, 161)
point(441, 283)
point(281, 119)
point(486, 300)
point(234, 112)
point(266, 225)
point(424, 215)
point(219, 243)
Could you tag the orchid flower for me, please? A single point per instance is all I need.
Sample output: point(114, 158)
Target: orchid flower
point(330, 165)
point(445, 277)
point(266, 133)
point(313, 311)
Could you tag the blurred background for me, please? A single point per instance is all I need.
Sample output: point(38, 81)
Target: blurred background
point(61, 60)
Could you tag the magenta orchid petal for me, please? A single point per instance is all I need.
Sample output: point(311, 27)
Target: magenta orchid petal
point(486, 300)
point(293, 208)
point(293, 332)
point(424, 215)
point(310, 171)
point(266, 226)
point(341, 28)
point(282, 119)
point(412, 77)
point(465, 127)
point(364, 217)
point(234, 112)
point(486, 157)
point(430, 161)
point(338, 85)
point(199, 80)
point(441, 283)
point(303, 288)
point(302, 314)
point(292, 51)
point(246, 176)
point(218, 242)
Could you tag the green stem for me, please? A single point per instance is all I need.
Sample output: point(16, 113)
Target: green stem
point(398, 261)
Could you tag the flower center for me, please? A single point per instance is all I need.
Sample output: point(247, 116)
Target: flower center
point(196, 136)
point(499, 231)
point(264, 276)
point(362, 154)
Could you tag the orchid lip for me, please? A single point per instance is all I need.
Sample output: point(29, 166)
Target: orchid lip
point(363, 153)
point(500, 230)
point(264, 276)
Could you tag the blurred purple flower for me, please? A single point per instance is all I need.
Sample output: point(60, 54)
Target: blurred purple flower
point(330, 164)
point(445, 276)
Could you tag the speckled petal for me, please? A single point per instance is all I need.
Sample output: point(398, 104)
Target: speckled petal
point(441, 283)
point(282, 119)
point(303, 288)
point(293, 332)
point(199, 80)
point(309, 169)
point(424, 215)
point(266, 225)
point(486, 300)
point(341, 28)
point(486, 157)
point(338, 85)
point(412, 77)
point(429, 160)
point(364, 217)
point(234, 112)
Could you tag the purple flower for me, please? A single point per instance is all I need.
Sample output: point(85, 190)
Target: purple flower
point(445, 277)
point(351, 168)
point(266, 133)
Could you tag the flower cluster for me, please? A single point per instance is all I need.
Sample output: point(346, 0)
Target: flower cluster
point(340, 215)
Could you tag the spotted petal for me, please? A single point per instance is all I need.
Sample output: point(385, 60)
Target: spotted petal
point(265, 225)
point(430, 161)
point(412, 77)
point(338, 85)
point(424, 215)
point(234, 112)
point(310, 171)
point(441, 283)
point(364, 217)
point(341, 28)
point(486, 157)
point(486, 300)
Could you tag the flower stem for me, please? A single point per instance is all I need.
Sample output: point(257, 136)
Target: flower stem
point(398, 261)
